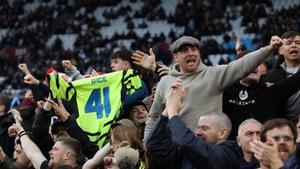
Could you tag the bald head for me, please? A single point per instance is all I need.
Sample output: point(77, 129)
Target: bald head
point(214, 127)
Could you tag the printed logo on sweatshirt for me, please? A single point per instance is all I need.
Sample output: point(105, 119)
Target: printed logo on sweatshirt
point(241, 103)
point(243, 94)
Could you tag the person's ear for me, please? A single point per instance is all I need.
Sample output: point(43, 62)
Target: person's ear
point(2, 108)
point(67, 155)
point(238, 140)
point(175, 56)
point(222, 133)
point(127, 65)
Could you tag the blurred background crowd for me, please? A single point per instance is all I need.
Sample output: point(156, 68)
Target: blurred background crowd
point(41, 32)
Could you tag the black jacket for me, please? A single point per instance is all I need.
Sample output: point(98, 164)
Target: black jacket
point(178, 148)
point(40, 130)
point(259, 101)
point(7, 143)
point(89, 149)
point(40, 92)
point(45, 142)
point(293, 103)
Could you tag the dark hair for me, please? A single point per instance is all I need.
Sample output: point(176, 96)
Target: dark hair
point(27, 112)
point(73, 144)
point(57, 127)
point(276, 123)
point(5, 100)
point(162, 53)
point(290, 34)
point(123, 54)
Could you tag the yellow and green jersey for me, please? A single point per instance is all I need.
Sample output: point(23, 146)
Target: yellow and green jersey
point(96, 100)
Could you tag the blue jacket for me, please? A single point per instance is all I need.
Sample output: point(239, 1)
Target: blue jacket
point(294, 161)
point(174, 146)
point(138, 95)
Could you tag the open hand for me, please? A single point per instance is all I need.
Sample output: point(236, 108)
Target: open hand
point(174, 101)
point(163, 70)
point(266, 153)
point(144, 60)
point(94, 72)
point(59, 109)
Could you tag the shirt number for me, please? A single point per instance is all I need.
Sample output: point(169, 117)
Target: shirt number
point(95, 104)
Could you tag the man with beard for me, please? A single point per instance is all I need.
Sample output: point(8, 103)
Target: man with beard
point(65, 151)
point(20, 160)
point(277, 145)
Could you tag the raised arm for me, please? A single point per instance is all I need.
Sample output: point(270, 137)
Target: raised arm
point(197, 151)
point(95, 162)
point(71, 70)
point(23, 67)
point(89, 149)
point(31, 150)
point(236, 70)
point(39, 89)
point(285, 88)
point(163, 151)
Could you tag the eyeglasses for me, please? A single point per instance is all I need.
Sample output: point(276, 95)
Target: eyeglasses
point(285, 138)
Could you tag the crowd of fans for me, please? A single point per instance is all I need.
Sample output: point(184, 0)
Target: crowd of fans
point(29, 31)
point(159, 104)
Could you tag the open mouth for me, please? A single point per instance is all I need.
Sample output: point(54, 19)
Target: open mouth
point(191, 61)
point(142, 118)
point(293, 52)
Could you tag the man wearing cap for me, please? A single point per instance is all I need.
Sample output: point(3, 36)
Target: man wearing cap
point(138, 113)
point(205, 84)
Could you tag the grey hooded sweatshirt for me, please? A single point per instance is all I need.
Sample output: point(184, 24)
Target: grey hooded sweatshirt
point(205, 88)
